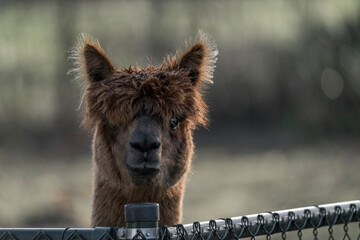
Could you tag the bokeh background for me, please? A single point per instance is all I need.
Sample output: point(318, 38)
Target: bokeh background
point(284, 106)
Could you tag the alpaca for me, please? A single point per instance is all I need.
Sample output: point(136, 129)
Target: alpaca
point(142, 121)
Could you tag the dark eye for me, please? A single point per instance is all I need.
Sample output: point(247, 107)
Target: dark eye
point(174, 123)
point(113, 127)
point(162, 76)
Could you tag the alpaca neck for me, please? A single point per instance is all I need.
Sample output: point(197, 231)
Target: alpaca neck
point(109, 201)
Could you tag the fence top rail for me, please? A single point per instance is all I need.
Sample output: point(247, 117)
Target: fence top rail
point(319, 214)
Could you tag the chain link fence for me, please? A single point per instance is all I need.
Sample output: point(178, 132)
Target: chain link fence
point(285, 224)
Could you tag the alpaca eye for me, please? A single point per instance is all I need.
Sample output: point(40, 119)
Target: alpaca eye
point(113, 127)
point(162, 76)
point(174, 123)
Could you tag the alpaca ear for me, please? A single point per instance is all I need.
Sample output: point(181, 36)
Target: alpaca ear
point(198, 60)
point(92, 60)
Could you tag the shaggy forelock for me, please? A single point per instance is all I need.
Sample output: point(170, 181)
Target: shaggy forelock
point(160, 93)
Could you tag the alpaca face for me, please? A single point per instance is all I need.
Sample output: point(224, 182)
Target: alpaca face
point(143, 118)
point(147, 124)
point(149, 147)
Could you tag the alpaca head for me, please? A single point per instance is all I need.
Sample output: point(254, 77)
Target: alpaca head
point(143, 118)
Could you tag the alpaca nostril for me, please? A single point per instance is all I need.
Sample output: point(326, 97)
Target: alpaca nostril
point(144, 145)
point(154, 145)
point(136, 145)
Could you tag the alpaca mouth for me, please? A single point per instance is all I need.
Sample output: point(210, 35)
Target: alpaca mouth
point(143, 173)
point(143, 167)
point(146, 172)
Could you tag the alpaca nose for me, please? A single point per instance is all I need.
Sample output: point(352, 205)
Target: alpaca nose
point(144, 142)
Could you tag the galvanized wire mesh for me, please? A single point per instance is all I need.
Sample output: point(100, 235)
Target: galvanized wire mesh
point(342, 221)
point(271, 223)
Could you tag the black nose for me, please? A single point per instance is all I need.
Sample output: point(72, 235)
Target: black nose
point(144, 142)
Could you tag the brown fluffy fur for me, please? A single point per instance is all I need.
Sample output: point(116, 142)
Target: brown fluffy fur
point(120, 97)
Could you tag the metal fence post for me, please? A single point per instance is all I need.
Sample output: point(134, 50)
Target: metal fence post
point(141, 221)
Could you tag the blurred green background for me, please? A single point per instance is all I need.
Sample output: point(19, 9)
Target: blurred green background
point(284, 106)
